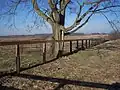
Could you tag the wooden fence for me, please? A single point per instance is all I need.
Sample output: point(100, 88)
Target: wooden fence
point(85, 43)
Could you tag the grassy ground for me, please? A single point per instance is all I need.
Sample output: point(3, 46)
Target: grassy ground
point(99, 64)
point(28, 57)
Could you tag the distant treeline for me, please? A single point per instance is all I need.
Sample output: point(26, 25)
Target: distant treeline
point(90, 34)
point(48, 35)
point(12, 36)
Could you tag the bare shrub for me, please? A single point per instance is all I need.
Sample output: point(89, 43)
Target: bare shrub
point(115, 34)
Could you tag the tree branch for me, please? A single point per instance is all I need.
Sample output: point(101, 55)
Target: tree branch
point(40, 13)
point(95, 4)
point(63, 4)
point(77, 21)
point(107, 7)
point(81, 25)
point(54, 13)
point(112, 25)
point(83, 22)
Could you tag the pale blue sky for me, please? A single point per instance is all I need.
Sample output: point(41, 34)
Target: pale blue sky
point(96, 24)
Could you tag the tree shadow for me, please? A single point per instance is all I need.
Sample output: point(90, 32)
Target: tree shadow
point(36, 65)
point(26, 68)
point(7, 88)
point(54, 59)
point(62, 82)
point(70, 53)
point(59, 86)
point(46, 62)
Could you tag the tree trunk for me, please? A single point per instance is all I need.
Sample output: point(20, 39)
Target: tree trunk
point(57, 47)
point(61, 44)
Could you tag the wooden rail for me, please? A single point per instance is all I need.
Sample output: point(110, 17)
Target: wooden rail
point(88, 43)
point(2, 43)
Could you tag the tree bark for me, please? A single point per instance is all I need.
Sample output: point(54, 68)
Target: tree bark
point(57, 47)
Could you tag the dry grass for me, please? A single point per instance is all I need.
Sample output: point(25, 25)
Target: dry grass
point(99, 64)
point(86, 36)
point(29, 56)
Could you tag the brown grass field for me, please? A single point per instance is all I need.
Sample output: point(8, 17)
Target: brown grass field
point(15, 38)
point(99, 64)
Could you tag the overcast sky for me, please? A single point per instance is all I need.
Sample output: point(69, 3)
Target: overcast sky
point(96, 24)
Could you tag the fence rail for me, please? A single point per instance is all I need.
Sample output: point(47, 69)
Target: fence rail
point(2, 43)
point(85, 43)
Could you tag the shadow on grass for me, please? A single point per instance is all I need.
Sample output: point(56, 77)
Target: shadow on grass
point(7, 88)
point(62, 82)
point(2, 74)
point(65, 54)
point(75, 51)
point(36, 65)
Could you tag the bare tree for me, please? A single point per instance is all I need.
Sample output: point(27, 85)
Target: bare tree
point(54, 12)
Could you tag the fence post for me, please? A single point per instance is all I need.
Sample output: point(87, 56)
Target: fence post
point(86, 43)
point(82, 46)
point(77, 44)
point(44, 52)
point(17, 58)
point(70, 46)
point(89, 43)
point(94, 42)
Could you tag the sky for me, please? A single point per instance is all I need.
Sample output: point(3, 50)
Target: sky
point(23, 21)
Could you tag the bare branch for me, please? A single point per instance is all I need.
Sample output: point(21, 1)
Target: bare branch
point(112, 25)
point(83, 22)
point(39, 12)
point(63, 4)
point(113, 6)
point(77, 21)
